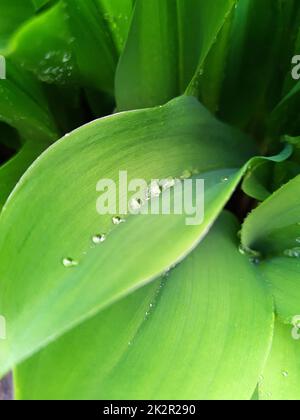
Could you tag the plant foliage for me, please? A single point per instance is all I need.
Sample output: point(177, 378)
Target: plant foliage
point(159, 88)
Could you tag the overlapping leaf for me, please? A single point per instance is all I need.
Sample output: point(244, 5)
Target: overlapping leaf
point(149, 144)
point(185, 337)
point(237, 79)
point(99, 28)
point(163, 50)
point(273, 229)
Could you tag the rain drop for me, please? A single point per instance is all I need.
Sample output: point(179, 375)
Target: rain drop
point(98, 239)
point(255, 260)
point(154, 190)
point(69, 263)
point(136, 204)
point(225, 179)
point(117, 220)
point(166, 184)
point(285, 374)
point(186, 174)
point(292, 253)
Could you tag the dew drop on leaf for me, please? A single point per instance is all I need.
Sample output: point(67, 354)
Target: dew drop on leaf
point(292, 253)
point(167, 183)
point(69, 262)
point(99, 239)
point(136, 204)
point(117, 220)
point(186, 174)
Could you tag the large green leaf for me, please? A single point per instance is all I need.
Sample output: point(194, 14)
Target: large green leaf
point(281, 378)
point(167, 41)
point(150, 144)
point(188, 336)
point(99, 28)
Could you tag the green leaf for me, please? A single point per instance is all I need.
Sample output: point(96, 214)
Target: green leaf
point(274, 227)
point(202, 328)
point(167, 41)
point(208, 80)
point(149, 144)
point(13, 14)
point(258, 42)
point(281, 377)
point(283, 274)
point(257, 182)
point(24, 107)
point(44, 46)
point(99, 28)
point(266, 177)
point(285, 118)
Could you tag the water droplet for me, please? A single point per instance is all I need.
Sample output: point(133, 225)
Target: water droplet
point(186, 174)
point(166, 184)
point(154, 190)
point(117, 220)
point(69, 262)
point(292, 253)
point(285, 374)
point(255, 260)
point(136, 204)
point(225, 179)
point(67, 57)
point(99, 239)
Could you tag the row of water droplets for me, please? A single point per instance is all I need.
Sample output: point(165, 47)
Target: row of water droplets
point(154, 190)
point(97, 239)
point(264, 394)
